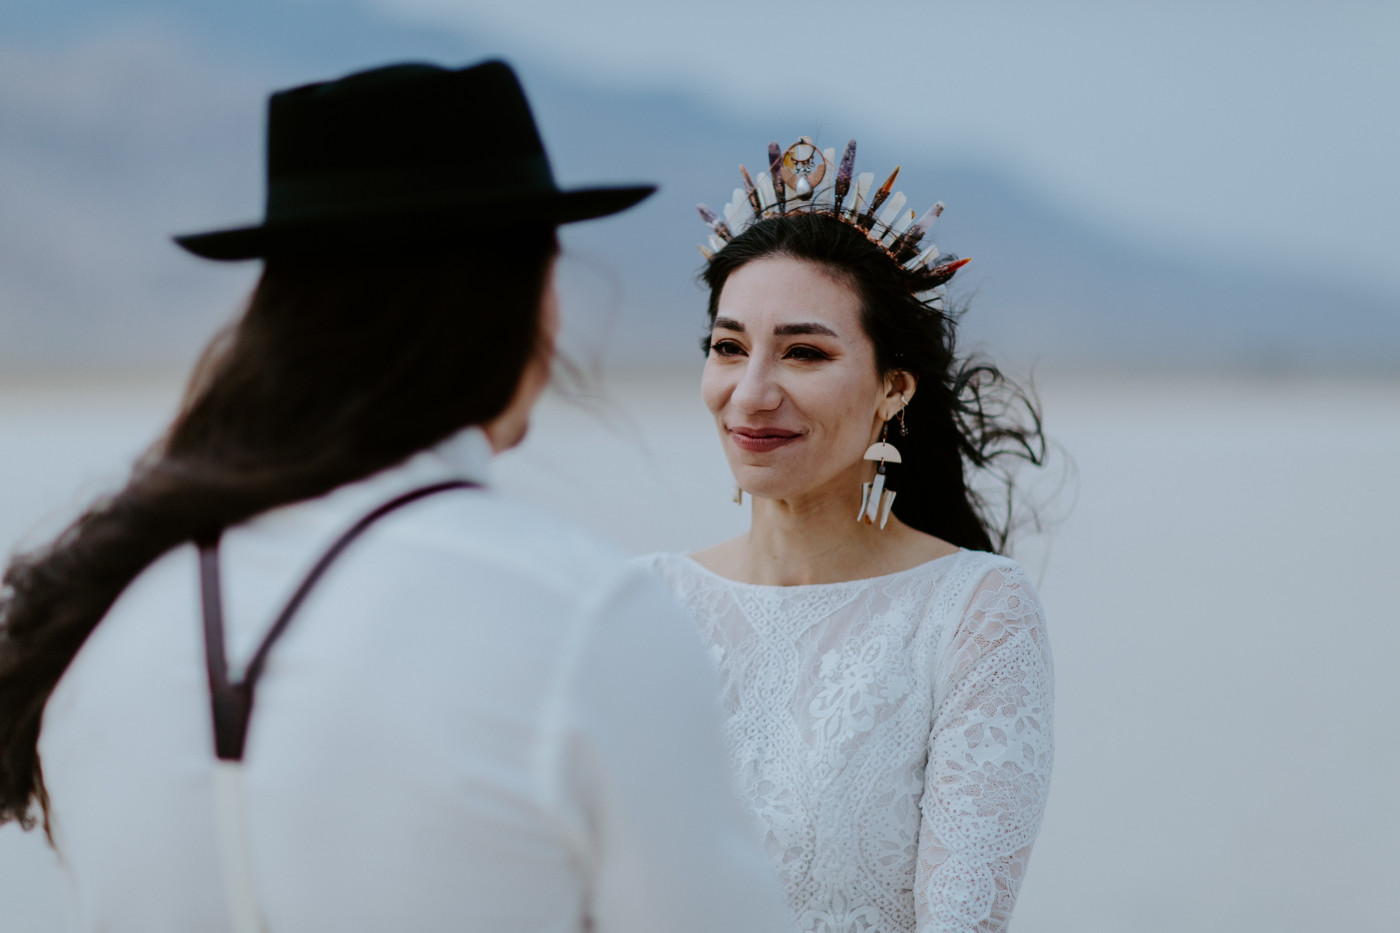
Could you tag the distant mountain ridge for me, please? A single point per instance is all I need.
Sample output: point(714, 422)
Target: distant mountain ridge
point(144, 118)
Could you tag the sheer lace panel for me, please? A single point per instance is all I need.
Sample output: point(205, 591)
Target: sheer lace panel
point(892, 735)
point(989, 759)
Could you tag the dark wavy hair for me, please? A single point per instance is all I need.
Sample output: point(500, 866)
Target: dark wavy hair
point(966, 415)
point(336, 370)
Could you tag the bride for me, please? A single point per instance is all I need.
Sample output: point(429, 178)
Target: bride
point(887, 678)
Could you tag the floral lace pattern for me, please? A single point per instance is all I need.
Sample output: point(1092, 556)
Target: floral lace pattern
point(893, 736)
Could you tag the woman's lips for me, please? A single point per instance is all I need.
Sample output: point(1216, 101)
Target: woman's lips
point(761, 440)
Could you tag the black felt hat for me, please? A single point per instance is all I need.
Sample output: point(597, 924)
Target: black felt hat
point(403, 156)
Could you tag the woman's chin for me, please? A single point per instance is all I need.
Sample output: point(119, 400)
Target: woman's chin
point(772, 482)
point(752, 478)
point(766, 484)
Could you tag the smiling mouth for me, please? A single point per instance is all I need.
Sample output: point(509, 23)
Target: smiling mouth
point(760, 440)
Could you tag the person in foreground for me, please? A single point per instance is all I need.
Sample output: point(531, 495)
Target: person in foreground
point(886, 675)
point(467, 715)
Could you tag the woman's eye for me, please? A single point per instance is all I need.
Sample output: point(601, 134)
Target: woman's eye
point(806, 353)
point(725, 348)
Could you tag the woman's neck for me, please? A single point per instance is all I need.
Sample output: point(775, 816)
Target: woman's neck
point(816, 539)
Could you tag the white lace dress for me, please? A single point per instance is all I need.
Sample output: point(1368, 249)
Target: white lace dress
point(892, 734)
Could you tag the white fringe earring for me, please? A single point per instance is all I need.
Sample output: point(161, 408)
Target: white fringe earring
point(875, 500)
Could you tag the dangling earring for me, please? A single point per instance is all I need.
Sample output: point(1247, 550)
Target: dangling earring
point(903, 428)
point(875, 500)
point(738, 494)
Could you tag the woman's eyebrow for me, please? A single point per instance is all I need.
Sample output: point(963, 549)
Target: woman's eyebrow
point(782, 330)
point(788, 330)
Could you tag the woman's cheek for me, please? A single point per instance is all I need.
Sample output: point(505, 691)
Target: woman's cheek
point(712, 391)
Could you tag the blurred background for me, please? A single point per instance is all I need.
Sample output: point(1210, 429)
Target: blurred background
point(1182, 219)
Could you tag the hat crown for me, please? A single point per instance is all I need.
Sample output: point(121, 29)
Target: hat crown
point(337, 147)
point(402, 157)
point(402, 116)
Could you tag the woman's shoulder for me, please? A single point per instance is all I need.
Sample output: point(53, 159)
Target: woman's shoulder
point(949, 571)
point(960, 591)
point(989, 570)
point(977, 576)
point(997, 599)
point(983, 563)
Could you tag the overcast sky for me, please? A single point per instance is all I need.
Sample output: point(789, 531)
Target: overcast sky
point(1263, 128)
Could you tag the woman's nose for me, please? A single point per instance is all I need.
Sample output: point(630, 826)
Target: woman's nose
point(757, 390)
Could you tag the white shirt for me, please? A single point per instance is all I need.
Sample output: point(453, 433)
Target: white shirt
point(893, 736)
point(480, 719)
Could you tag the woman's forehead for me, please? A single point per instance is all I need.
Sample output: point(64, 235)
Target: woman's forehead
point(780, 290)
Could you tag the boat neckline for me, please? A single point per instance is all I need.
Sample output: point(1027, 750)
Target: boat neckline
point(789, 587)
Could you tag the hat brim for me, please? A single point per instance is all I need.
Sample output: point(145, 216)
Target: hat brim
point(403, 227)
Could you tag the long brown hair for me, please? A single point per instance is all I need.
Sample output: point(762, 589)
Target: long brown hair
point(966, 417)
point(338, 368)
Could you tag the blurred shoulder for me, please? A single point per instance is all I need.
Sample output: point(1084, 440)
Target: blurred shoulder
point(517, 540)
point(680, 573)
point(664, 565)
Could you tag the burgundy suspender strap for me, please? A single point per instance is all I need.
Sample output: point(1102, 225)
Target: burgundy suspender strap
point(233, 702)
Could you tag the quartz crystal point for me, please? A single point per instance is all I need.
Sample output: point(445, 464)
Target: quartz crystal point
point(752, 192)
point(891, 211)
point(925, 223)
point(823, 189)
point(923, 258)
point(843, 175)
point(766, 195)
point(775, 171)
point(734, 211)
point(864, 181)
point(867, 219)
point(712, 220)
point(908, 244)
point(894, 237)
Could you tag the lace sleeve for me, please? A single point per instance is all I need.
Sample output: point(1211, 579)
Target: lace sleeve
point(989, 760)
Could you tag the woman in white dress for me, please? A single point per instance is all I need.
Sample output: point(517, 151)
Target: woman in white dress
point(886, 678)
